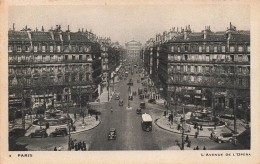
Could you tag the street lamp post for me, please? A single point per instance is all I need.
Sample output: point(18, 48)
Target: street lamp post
point(69, 148)
point(183, 129)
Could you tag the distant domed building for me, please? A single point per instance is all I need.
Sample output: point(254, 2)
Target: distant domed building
point(133, 48)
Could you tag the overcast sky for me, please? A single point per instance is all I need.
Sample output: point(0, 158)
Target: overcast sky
point(124, 23)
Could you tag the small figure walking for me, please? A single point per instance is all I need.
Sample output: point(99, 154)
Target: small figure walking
point(96, 117)
point(204, 148)
point(197, 148)
point(55, 149)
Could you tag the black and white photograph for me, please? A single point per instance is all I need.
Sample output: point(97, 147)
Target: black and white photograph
point(168, 78)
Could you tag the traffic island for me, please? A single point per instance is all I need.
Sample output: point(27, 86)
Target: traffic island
point(165, 124)
point(90, 122)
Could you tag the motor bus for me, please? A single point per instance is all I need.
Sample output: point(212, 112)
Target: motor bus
point(146, 122)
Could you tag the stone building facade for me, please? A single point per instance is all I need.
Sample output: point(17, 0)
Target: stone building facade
point(133, 48)
point(53, 67)
point(197, 67)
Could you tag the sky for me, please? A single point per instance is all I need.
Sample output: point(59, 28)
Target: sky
point(125, 23)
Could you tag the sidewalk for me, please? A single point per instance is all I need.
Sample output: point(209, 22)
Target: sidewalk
point(165, 124)
point(104, 96)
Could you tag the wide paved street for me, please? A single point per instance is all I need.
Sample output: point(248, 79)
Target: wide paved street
point(130, 135)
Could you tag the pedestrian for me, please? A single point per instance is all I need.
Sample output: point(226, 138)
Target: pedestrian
point(201, 127)
point(197, 148)
point(194, 148)
point(178, 127)
point(59, 148)
point(211, 135)
point(194, 127)
point(72, 144)
point(75, 115)
point(84, 145)
point(187, 138)
point(204, 148)
point(189, 143)
point(196, 135)
point(79, 145)
point(55, 149)
point(76, 146)
point(96, 117)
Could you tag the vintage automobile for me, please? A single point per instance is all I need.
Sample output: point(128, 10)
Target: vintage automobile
point(130, 97)
point(142, 105)
point(18, 132)
point(111, 134)
point(59, 132)
point(138, 111)
point(141, 96)
point(117, 97)
point(130, 82)
point(121, 102)
point(39, 133)
point(152, 101)
point(223, 137)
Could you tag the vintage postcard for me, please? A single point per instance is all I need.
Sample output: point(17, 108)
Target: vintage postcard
point(129, 82)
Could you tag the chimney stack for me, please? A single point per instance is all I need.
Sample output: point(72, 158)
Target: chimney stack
point(42, 29)
point(68, 28)
point(82, 30)
point(13, 27)
point(36, 29)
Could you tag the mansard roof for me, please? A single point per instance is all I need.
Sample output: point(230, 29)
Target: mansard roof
point(18, 36)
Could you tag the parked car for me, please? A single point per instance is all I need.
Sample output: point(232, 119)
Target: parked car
point(152, 101)
point(39, 133)
point(130, 82)
point(138, 111)
point(18, 132)
point(111, 134)
point(59, 132)
point(223, 137)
